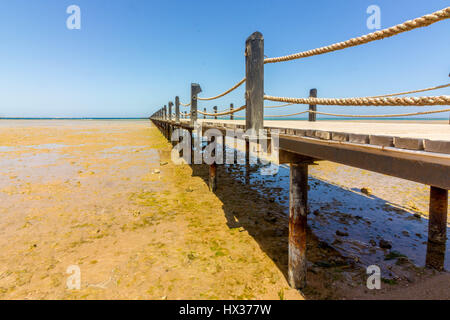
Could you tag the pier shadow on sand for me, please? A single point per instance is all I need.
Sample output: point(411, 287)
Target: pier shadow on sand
point(345, 227)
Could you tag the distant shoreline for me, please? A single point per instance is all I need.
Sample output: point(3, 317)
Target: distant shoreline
point(88, 118)
point(241, 118)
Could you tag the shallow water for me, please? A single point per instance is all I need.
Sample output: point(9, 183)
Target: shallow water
point(366, 218)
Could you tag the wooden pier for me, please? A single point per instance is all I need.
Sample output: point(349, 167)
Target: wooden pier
point(418, 152)
point(300, 146)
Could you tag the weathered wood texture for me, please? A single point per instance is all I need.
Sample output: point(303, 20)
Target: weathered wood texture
point(254, 85)
point(195, 90)
point(177, 109)
point(231, 109)
point(170, 110)
point(312, 107)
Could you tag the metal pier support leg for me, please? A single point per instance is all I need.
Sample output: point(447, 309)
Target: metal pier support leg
point(224, 150)
point(437, 228)
point(213, 170)
point(213, 177)
point(247, 161)
point(191, 134)
point(298, 204)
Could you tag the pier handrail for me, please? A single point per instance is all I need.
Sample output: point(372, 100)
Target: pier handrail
point(358, 115)
point(367, 101)
point(380, 96)
point(409, 25)
point(237, 85)
point(379, 100)
point(223, 113)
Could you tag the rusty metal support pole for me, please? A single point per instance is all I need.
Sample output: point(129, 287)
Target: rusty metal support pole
point(213, 169)
point(254, 84)
point(224, 149)
point(312, 107)
point(298, 207)
point(195, 90)
point(247, 161)
point(437, 228)
point(215, 111)
point(213, 177)
point(231, 109)
point(191, 134)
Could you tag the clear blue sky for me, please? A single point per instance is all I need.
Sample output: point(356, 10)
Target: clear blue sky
point(131, 57)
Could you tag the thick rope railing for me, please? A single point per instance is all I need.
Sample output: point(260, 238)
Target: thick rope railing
point(361, 116)
point(237, 85)
point(377, 35)
point(381, 96)
point(185, 105)
point(285, 115)
point(413, 91)
point(222, 113)
point(368, 101)
point(280, 106)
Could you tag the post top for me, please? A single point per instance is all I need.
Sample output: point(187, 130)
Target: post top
point(195, 88)
point(255, 36)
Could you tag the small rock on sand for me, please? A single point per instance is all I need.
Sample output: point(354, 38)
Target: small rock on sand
point(366, 191)
point(385, 244)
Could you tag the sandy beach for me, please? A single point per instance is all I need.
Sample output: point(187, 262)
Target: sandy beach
point(104, 196)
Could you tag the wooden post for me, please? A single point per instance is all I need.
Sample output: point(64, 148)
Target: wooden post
point(254, 85)
point(169, 125)
point(215, 111)
point(177, 109)
point(204, 111)
point(231, 109)
point(437, 228)
point(195, 90)
point(166, 133)
point(312, 107)
point(298, 204)
point(170, 110)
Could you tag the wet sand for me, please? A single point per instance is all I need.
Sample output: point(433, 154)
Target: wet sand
point(103, 195)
